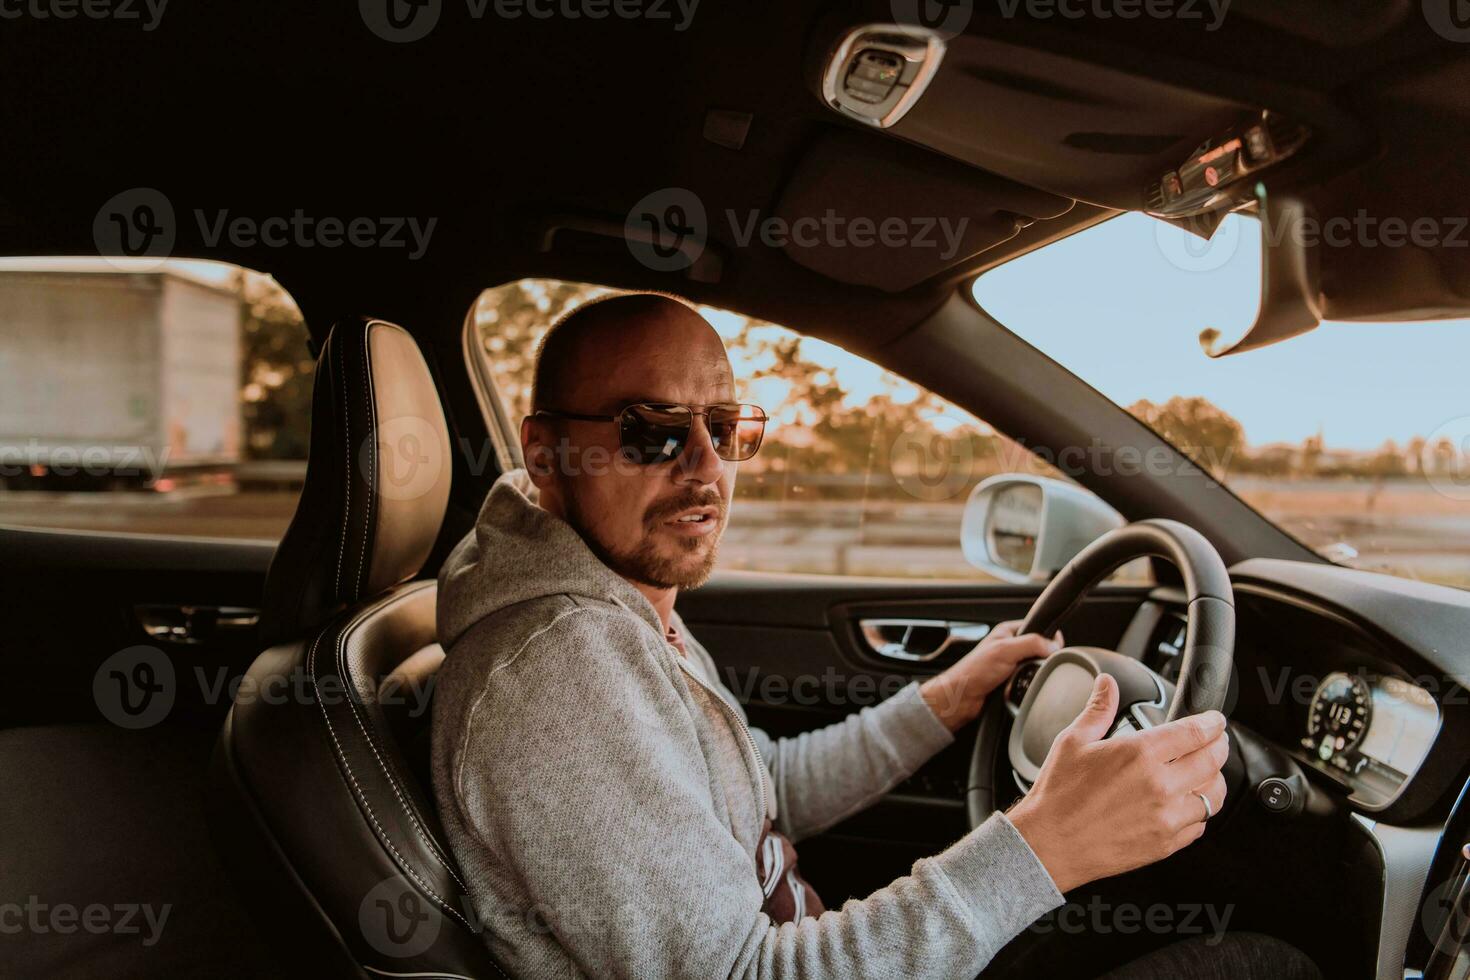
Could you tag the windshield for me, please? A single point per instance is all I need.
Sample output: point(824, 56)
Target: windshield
point(1355, 438)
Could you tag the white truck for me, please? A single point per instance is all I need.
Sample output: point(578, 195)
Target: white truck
point(111, 375)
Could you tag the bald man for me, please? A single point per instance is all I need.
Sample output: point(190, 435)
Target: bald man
point(614, 813)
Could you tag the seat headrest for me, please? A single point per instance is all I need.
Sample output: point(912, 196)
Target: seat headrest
point(377, 480)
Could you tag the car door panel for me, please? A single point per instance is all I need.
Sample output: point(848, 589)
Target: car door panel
point(79, 597)
point(113, 815)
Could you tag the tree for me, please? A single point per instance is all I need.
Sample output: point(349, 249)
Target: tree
point(277, 371)
point(1197, 428)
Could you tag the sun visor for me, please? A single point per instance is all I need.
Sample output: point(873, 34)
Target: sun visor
point(1070, 126)
point(868, 211)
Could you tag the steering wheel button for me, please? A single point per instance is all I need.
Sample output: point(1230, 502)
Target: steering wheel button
point(1275, 794)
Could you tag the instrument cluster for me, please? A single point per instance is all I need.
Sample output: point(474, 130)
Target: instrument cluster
point(1370, 732)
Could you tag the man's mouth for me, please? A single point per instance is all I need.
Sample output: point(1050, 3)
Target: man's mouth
point(694, 520)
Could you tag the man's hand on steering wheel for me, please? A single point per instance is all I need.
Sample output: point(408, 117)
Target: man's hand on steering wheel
point(1105, 806)
point(957, 695)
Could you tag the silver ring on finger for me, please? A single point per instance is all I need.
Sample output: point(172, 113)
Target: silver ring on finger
point(1209, 810)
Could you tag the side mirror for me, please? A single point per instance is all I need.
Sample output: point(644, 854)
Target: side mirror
point(1023, 528)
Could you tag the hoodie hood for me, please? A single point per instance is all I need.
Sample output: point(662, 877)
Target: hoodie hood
point(518, 552)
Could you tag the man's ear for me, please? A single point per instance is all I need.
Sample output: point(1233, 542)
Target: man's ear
point(538, 449)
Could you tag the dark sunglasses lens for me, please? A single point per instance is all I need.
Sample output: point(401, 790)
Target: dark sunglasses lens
point(737, 431)
point(654, 433)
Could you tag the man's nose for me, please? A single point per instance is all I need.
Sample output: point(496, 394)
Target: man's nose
point(699, 464)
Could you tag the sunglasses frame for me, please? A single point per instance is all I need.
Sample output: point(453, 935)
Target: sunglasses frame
point(620, 418)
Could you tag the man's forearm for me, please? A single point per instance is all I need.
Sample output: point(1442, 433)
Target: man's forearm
point(826, 775)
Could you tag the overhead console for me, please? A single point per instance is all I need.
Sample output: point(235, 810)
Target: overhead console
point(1065, 124)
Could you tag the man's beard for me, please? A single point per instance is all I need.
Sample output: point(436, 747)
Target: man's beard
point(645, 564)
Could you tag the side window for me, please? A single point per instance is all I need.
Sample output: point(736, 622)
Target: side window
point(165, 400)
point(861, 471)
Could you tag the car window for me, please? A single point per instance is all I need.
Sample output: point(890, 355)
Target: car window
point(861, 471)
point(1354, 438)
point(156, 398)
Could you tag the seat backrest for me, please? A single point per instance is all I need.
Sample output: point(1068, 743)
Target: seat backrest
point(318, 793)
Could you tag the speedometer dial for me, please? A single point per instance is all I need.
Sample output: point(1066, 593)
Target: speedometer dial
point(1340, 713)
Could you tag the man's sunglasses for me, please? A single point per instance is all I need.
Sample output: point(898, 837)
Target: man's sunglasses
point(656, 432)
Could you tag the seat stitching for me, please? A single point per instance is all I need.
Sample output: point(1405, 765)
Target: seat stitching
point(357, 787)
point(347, 444)
point(392, 781)
point(372, 470)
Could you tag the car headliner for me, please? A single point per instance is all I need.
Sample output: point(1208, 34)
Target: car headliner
point(491, 126)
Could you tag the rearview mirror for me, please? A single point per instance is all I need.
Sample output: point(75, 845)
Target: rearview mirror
point(1023, 528)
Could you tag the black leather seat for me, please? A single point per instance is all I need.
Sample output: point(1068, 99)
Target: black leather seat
point(319, 800)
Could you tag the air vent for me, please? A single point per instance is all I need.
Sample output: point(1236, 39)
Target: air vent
point(878, 72)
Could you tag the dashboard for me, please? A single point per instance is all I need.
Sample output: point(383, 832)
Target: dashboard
point(1350, 728)
point(1348, 699)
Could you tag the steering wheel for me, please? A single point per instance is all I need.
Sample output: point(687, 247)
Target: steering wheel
point(1044, 696)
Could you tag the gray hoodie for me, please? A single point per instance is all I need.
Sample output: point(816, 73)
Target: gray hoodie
point(604, 794)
